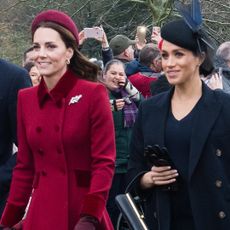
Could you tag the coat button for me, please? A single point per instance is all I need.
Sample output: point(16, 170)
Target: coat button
point(59, 104)
point(44, 173)
point(57, 128)
point(38, 129)
point(218, 183)
point(59, 150)
point(41, 152)
point(221, 215)
point(218, 152)
point(63, 171)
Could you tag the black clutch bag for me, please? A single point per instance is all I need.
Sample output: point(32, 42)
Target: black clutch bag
point(130, 212)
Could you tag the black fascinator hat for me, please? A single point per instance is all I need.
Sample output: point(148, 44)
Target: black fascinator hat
point(189, 34)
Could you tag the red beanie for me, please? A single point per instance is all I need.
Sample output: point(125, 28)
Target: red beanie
point(57, 17)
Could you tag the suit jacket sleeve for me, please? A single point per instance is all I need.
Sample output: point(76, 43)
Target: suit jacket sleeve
point(23, 174)
point(102, 152)
point(107, 55)
point(21, 80)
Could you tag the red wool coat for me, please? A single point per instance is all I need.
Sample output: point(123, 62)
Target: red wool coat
point(66, 154)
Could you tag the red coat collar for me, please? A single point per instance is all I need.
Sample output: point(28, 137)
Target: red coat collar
point(60, 91)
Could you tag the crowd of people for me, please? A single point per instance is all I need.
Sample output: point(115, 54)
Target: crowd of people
point(81, 127)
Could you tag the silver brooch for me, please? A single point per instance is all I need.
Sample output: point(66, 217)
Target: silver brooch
point(75, 99)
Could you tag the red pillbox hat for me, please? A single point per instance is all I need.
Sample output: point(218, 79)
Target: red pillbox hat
point(57, 17)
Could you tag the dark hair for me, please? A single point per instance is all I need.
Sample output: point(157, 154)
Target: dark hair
point(79, 64)
point(29, 65)
point(26, 52)
point(112, 62)
point(207, 66)
point(148, 54)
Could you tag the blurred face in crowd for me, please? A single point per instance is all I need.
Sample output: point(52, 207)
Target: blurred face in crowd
point(114, 76)
point(180, 65)
point(50, 53)
point(29, 56)
point(228, 63)
point(35, 76)
point(129, 52)
point(157, 64)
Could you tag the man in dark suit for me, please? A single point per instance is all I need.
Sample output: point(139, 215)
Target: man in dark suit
point(12, 78)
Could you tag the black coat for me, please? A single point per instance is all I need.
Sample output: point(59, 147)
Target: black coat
point(209, 160)
point(12, 78)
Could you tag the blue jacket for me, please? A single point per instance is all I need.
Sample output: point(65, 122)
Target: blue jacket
point(12, 78)
point(209, 171)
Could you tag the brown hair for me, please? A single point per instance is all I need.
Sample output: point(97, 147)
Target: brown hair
point(148, 54)
point(79, 64)
point(29, 65)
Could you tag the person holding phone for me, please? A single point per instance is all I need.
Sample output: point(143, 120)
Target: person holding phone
point(124, 101)
point(66, 137)
point(192, 122)
point(106, 51)
point(156, 35)
point(141, 37)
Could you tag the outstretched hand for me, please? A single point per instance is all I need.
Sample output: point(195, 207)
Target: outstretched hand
point(215, 81)
point(82, 37)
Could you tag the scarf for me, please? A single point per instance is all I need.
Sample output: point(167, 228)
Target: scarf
point(129, 110)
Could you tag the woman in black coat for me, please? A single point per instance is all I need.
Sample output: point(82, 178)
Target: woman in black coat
point(193, 123)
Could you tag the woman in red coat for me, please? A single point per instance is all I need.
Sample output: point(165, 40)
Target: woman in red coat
point(66, 137)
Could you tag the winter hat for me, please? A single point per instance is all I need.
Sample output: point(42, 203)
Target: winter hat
point(57, 17)
point(120, 43)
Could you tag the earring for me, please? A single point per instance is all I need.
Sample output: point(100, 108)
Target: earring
point(67, 61)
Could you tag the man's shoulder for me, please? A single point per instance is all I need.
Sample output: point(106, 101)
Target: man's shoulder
point(14, 74)
point(6, 66)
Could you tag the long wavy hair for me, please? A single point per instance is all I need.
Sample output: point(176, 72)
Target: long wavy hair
point(79, 64)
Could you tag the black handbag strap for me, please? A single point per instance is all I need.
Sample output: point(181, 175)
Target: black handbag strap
point(134, 181)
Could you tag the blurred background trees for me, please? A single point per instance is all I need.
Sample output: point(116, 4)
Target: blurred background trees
point(116, 17)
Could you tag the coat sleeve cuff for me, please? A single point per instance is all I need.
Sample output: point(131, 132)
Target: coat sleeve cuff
point(12, 215)
point(93, 206)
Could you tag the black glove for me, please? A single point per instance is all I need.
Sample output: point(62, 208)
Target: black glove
point(157, 156)
point(86, 223)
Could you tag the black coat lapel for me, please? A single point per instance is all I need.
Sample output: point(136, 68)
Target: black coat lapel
point(159, 116)
point(159, 120)
point(206, 116)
